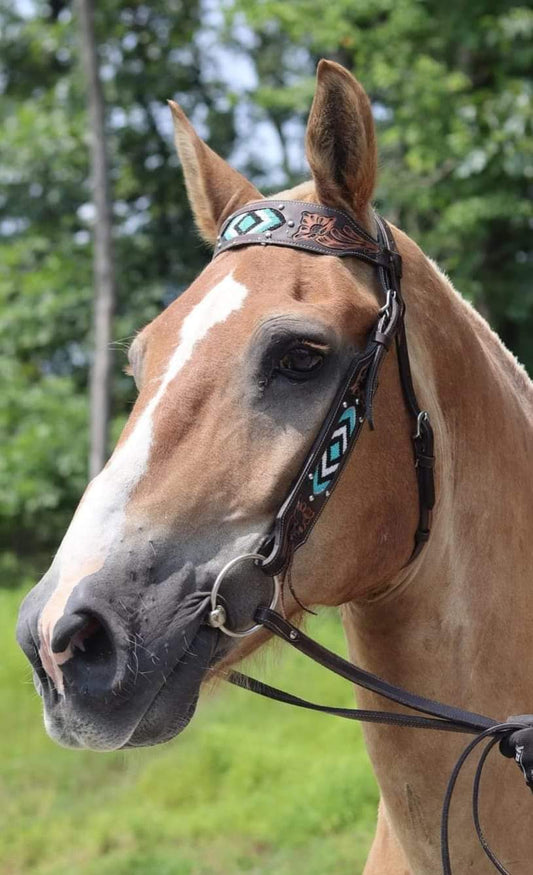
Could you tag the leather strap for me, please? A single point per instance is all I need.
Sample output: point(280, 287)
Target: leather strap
point(462, 720)
point(320, 473)
point(327, 231)
point(423, 441)
point(301, 225)
point(515, 735)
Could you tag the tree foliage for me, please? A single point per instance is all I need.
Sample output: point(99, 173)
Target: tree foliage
point(452, 98)
point(148, 53)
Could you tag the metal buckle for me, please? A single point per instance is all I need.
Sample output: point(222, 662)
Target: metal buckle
point(217, 615)
point(386, 309)
point(423, 416)
point(387, 314)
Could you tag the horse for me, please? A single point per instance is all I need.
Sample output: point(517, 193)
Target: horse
point(234, 380)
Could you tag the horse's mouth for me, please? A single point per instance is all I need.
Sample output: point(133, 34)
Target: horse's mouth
point(156, 717)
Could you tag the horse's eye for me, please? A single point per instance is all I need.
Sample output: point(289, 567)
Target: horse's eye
point(301, 362)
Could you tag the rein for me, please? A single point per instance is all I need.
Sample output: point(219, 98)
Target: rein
point(515, 735)
point(327, 231)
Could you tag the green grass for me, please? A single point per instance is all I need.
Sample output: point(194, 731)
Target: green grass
point(251, 786)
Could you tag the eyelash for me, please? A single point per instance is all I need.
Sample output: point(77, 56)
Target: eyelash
point(275, 359)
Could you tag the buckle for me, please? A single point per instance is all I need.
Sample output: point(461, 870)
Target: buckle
point(421, 420)
point(388, 319)
point(388, 313)
point(386, 309)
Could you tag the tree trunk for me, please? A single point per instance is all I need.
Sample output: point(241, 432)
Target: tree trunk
point(104, 270)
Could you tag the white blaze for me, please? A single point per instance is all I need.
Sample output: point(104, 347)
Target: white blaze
point(99, 520)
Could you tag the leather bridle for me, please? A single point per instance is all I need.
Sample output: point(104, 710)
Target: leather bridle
point(322, 230)
point(327, 231)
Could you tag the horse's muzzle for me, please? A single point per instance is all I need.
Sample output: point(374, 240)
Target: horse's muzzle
point(112, 675)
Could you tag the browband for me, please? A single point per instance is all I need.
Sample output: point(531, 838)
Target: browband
point(301, 225)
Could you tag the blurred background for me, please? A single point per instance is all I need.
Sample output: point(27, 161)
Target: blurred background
point(250, 787)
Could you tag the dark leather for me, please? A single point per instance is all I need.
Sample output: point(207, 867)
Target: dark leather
point(301, 509)
point(515, 736)
point(313, 227)
point(462, 720)
point(423, 440)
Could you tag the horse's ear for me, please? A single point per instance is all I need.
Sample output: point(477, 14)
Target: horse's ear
point(340, 140)
point(214, 188)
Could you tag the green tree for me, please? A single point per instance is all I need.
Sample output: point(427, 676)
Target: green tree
point(148, 53)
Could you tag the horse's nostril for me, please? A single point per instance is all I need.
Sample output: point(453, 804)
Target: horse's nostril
point(93, 641)
point(87, 632)
point(86, 637)
point(83, 655)
point(67, 629)
point(91, 653)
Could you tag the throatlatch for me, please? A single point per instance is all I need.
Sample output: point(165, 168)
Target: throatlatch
point(326, 231)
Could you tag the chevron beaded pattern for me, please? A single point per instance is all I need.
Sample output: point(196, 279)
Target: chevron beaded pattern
point(332, 456)
point(253, 222)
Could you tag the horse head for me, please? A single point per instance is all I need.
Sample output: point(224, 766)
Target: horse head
point(234, 380)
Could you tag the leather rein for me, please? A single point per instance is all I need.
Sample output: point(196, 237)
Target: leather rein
point(322, 230)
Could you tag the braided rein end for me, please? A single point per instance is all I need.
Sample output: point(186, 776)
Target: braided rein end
point(518, 745)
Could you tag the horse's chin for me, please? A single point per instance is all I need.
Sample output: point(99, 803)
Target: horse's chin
point(164, 719)
point(168, 712)
point(172, 708)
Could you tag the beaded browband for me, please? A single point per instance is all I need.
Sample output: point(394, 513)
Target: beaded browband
point(301, 225)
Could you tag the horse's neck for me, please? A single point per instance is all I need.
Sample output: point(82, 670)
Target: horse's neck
point(476, 571)
point(457, 625)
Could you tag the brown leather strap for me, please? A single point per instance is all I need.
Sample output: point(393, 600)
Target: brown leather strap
point(301, 225)
point(423, 440)
point(515, 735)
point(466, 720)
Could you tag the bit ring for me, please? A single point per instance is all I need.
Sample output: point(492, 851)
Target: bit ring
point(217, 615)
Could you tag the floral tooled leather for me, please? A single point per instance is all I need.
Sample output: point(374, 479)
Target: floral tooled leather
point(327, 231)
